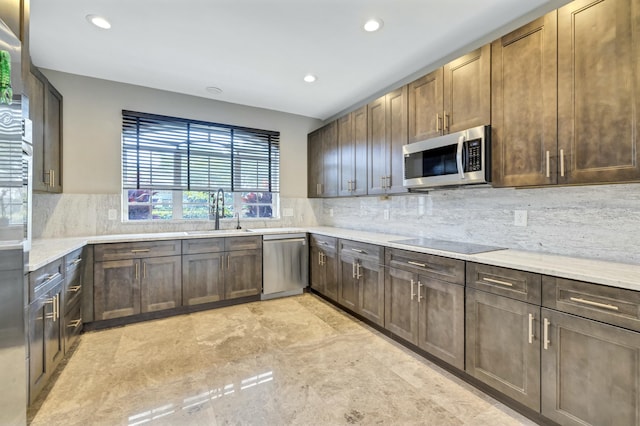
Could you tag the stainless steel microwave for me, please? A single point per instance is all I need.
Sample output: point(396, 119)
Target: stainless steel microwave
point(459, 158)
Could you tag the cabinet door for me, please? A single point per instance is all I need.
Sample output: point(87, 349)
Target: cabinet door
point(314, 164)
point(318, 269)
point(378, 149)
point(524, 105)
point(396, 138)
point(39, 310)
point(346, 154)
point(36, 114)
point(371, 290)
point(243, 273)
point(330, 160)
point(359, 185)
point(116, 289)
point(347, 284)
point(467, 91)
point(53, 137)
point(331, 274)
point(161, 283)
point(590, 372)
point(54, 331)
point(498, 348)
point(441, 320)
point(401, 312)
point(202, 278)
point(599, 91)
point(425, 106)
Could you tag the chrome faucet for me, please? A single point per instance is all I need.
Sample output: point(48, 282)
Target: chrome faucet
point(216, 208)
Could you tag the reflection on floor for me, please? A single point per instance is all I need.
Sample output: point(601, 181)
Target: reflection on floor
point(296, 360)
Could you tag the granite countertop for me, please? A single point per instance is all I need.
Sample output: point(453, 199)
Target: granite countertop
point(613, 274)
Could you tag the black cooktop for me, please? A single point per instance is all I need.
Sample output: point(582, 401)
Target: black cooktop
point(452, 246)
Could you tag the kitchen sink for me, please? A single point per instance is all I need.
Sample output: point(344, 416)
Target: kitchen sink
point(218, 232)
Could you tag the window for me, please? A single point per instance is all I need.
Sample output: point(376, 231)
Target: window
point(172, 168)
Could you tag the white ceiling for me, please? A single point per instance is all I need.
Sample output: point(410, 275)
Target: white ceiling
point(257, 51)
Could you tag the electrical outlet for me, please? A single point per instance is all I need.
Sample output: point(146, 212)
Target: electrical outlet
point(520, 218)
point(287, 212)
point(113, 214)
point(330, 212)
point(386, 214)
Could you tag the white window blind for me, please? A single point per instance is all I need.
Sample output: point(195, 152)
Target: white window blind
point(169, 153)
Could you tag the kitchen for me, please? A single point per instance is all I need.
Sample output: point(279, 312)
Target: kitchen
point(592, 222)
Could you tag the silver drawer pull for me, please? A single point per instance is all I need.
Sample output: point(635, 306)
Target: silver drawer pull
point(412, 293)
point(422, 265)
point(140, 250)
point(531, 335)
point(75, 288)
point(74, 323)
point(491, 280)
point(358, 250)
point(49, 278)
point(76, 261)
point(596, 304)
point(545, 333)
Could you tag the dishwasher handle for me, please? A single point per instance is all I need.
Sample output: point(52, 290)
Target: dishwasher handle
point(288, 240)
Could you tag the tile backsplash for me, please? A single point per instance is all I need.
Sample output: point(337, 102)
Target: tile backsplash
point(71, 215)
point(599, 221)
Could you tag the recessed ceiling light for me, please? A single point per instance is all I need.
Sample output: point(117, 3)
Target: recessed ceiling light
point(214, 90)
point(310, 78)
point(99, 21)
point(373, 24)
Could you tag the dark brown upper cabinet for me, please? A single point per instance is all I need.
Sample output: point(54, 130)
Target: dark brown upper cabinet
point(598, 91)
point(524, 105)
point(322, 162)
point(387, 133)
point(452, 98)
point(352, 153)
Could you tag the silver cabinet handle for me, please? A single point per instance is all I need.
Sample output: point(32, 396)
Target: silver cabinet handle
point(74, 289)
point(491, 280)
point(50, 278)
point(548, 166)
point(144, 269)
point(562, 162)
point(140, 250)
point(419, 295)
point(388, 181)
point(320, 258)
point(318, 189)
point(596, 304)
point(353, 269)
point(358, 267)
point(358, 250)
point(382, 182)
point(58, 306)
point(228, 262)
point(422, 265)
point(531, 335)
point(76, 261)
point(437, 122)
point(52, 315)
point(546, 333)
point(412, 294)
point(446, 122)
point(137, 270)
point(74, 323)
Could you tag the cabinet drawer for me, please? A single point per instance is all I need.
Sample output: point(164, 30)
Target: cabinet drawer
point(72, 287)
point(72, 325)
point(327, 243)
point(243, 243)
point(203, 245)
point(612, 305)
point(43, 279)
point(141, 249)
point(442, 268)
point(73, 260)
point(362, 251)
point(507, 282)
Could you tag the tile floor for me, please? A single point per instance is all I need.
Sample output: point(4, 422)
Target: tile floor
point(289, 361)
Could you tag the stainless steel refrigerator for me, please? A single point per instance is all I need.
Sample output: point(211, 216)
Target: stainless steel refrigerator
point(14, 241)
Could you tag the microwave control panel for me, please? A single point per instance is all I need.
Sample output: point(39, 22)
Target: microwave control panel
point(473, 150)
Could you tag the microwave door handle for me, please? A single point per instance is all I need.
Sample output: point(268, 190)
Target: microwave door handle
point(461, 140)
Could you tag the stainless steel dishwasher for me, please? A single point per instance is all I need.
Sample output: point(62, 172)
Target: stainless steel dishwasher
point(285, 265)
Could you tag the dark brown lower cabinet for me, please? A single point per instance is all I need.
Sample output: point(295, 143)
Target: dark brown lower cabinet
point(324, 271)
point(46, 339)
point(503, 345)
point(426, 312)
point(243, 274)
point(590, 372)
point(132, 286)
point(202, 278)
point(361, 279)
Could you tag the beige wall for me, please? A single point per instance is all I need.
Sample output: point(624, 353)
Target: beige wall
point(93, 122)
